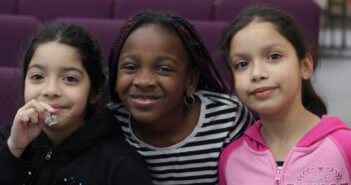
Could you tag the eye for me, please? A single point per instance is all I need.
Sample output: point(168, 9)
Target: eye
point(241, 65)
point(274, 56)
point(70, 79)
point(164, 69)
point(36, 77)
point(129, 68)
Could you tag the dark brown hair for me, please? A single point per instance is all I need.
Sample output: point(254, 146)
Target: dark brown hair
point(84, 43)
point(288, 27)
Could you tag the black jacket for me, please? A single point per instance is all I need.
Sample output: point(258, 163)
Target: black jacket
point(95, 154)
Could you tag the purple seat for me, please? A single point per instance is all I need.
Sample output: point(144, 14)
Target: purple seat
point(210, 33)
point(190, 9)
point(8, 6)
point(104, 30)
point(50, 9)
point(15, 32)
point(306, 12)
point(10, 94)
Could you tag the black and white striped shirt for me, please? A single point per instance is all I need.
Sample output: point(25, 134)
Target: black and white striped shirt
point(195, 159)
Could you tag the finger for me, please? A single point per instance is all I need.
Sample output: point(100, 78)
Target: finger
point(33, 116)
point(42, 115)
point(22, 116)
point(29, 104)
point(47, 107)
point(38, 106)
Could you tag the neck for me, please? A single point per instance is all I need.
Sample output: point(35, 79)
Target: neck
point(284, 130)
point(171, 129)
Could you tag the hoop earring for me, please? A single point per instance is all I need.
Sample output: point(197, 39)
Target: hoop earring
point(189, 100)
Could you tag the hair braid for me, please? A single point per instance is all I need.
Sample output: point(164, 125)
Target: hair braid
point(208, 66)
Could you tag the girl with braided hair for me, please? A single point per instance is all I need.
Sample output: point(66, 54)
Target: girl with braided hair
point(172, 103)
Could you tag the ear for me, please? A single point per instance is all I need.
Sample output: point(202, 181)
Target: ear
point(307, 67)
point(192, 81)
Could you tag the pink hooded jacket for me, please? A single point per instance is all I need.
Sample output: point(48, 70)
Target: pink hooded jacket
point(321, 157)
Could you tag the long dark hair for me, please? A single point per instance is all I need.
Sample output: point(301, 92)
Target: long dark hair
point(288, 27)
point(196, 50)
point(85, 44)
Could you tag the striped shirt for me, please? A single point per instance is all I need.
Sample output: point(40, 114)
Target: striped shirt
point(194, 160)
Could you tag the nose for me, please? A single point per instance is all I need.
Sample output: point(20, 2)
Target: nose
point(259, 72)
point(51, 89)
point(145, 79)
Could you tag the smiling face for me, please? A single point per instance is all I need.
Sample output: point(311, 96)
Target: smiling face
point(267, 71)
point(153, 74)
point(57, 77)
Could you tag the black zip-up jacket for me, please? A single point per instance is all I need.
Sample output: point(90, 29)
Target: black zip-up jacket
point(96, 154)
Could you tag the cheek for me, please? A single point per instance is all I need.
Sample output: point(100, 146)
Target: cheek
point(240, 83)
point(122, 83)
point(79, 98)
point(241, 86)
point(30, 92)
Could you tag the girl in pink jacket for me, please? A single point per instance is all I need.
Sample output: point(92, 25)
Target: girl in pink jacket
point(294, 143)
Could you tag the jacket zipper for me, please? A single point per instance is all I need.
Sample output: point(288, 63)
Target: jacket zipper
point(278, 172)
point(277, 177)
point(48, 155)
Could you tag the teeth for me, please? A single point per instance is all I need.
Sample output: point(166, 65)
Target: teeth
point(50, 119)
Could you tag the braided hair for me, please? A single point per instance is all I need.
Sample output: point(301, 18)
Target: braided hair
point(196, 50)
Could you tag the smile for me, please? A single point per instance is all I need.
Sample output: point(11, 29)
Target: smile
point(262, 92)
point(144, 101)
point(58, 108)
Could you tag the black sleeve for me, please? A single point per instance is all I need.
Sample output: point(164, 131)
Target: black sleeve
point(131, 170)
point(12, 170)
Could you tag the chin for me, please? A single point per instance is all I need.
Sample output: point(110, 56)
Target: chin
point(144, 119)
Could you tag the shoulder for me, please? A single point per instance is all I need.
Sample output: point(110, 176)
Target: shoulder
point(227, 103)
point(126, 166)
point(118, 111)
point(123, 154)
point(212, 97)
point(228, 150)
point(214, 101)
point(342, 137)
point(225, 155)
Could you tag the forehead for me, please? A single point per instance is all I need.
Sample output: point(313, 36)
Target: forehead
point(55, 54)
point(258, 33)
point(155, 38)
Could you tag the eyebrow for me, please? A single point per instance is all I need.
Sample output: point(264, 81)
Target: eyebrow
point(266, 48)
point(162, 58)
point(270, 46)
point(36, 66)
point(72, 69)
point(158, 58)
point(66, 69)
point(129, 55)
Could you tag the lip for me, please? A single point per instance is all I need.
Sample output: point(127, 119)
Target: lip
point(262, 92)
point(57, 107)
point(144, 101)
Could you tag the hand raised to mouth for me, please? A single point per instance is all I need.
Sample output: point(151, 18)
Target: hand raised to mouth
point(50, 119)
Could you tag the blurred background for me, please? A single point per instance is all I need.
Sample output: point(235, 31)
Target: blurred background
point(327, 24)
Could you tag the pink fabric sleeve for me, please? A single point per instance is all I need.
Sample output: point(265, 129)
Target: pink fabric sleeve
point(226, 153)
point(342, 139)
